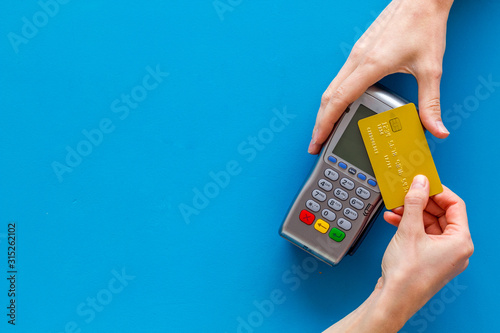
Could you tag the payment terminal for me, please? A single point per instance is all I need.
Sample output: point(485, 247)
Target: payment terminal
point(339, 201)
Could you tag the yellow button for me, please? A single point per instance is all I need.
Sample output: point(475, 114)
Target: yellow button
point(322, 226)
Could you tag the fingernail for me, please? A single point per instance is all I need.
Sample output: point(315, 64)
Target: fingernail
point(418, 181)
point(311, 147)
point(441, 127)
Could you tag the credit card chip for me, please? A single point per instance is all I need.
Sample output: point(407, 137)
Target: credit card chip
point(395, 124)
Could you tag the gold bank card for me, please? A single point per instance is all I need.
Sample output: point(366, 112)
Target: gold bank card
point(398, 151)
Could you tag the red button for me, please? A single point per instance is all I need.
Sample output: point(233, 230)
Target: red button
point(307, 217)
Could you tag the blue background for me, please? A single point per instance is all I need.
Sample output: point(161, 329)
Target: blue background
point(118, 209)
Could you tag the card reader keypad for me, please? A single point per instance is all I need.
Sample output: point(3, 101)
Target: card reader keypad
point(325, 185)
point(341, 197)
point(347, 183)
point(318, 195)
point(312, 205)
point(344, 224)
point(356, 203)
point(363, 192)
point(333, 175)
point(328, 214)
point(335, 219)
point(350, 213)
point(334, 204)
point(341, 194)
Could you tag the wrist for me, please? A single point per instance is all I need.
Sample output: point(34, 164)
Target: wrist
point(431, 6)
point(386, 310)
point(392, 304)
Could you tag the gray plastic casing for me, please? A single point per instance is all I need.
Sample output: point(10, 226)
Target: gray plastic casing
point(320, 245)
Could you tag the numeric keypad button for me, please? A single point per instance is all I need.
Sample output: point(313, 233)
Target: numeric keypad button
point(312, 205)
point(341, 194)
point(318, 195)
point(363, 192)
point(350, 213)
point(328, 214)
point(335, 204)
point(356, 203)
point(325, 185)
point(331, 174)
point(347, 183)
point(344, 224)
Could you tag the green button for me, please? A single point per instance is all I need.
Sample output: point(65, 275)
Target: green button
point(337, 235)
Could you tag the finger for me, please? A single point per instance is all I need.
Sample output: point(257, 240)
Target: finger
point(434, 209)
point(429, 102)
point(431, 222)
point(348, 91)
point(392, 218)
point(446, 198)
point(415, 203)
point(456, 212)
point(431, 208)
point(399, 210)
point(345, 71)
point(442, 222)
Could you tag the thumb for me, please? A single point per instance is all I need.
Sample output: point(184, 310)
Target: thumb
point(415, 202)
point(429, 104)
